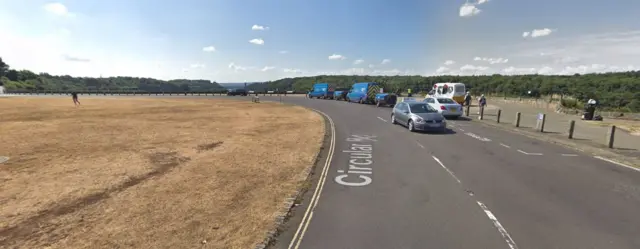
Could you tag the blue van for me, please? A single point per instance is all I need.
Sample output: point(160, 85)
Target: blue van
point(321, 91)
point(363, 93)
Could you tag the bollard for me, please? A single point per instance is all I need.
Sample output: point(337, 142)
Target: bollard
point(572, 126)
point(517, 119)
point(468, 108)
point(498, 116)
point(544, 118)
point(481, 117)
point(611, 136)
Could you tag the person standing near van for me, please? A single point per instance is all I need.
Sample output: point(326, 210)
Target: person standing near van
point(467, 99)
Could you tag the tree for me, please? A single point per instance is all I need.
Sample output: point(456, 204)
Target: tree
point(4, 67)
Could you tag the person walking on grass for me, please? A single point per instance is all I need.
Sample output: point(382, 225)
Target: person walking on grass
point(74, 95)
point(482, 102)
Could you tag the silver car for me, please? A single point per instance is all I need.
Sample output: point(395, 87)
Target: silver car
point(418, 116)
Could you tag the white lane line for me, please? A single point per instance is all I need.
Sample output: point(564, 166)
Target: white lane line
point(569, 155)
point(496, 223)
point(461, 129)
point(483, 139)
point(506, 146)
point(306, 219)
point(447, 169)
point(419, 144)
point(383, 120)
point(530, 154)
point(617, 163)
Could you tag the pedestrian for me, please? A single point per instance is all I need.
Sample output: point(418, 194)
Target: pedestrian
point(74, 95)
point(467, 99)
point(482, 102)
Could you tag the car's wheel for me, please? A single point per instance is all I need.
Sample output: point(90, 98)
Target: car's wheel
point(393, 119)
point(410, 126)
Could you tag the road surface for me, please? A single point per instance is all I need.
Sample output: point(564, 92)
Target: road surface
point(476, 187)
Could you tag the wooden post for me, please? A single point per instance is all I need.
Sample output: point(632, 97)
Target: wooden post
point(517, 119)
point(572, 125)
point(481, 117)
point(468, 109)
point(611, 136)
point(498, 116)
point(544, 118)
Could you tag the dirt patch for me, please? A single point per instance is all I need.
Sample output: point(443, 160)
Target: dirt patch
point(149, 173)
point(632, 126)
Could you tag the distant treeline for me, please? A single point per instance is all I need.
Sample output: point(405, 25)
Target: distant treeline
point(25, 80)
point(615, 91)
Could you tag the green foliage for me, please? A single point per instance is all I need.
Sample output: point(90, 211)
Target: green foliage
point(25, 80)
point(618, 91)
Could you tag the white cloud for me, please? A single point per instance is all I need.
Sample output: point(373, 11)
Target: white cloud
point(492, 60)
point(267, 68)
point(385, 61)
point(537, 33)
point(545, 70)
point(467, 10)
point(236, 68)
point(57, 9)
point(468, 67)
point(336, 57)
point(482, 1)
point(75, 58)
point(259, 27)
point(283, 52)
point(372, 66)
point(358, 61)
point(292, 70)
point(516, 70)
point(449, 62)
point(209, 49)
point(257, 41)
point(197, 65)
point(442, 70)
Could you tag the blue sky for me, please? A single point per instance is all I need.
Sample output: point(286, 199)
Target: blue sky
point(167, 39)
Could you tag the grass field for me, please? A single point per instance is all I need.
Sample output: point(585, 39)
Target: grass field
point(148, 173)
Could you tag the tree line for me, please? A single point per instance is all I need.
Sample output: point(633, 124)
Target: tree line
point(25, 80)
point(618, 91)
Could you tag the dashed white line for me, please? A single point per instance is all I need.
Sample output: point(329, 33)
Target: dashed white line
point(496, 223)
point(419, 144)
point(383, 120)
point(506, 146)
point(447, 169)
point(530, 154)
point(617, 163)
point(569, 155)
point(461, 129)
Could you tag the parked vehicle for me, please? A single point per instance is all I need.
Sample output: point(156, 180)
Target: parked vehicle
point(445, 106)
point(386, 99)
point(416, 115)
point(321, 91)
point(340, 94)
point(455, 91)
point(236, 92)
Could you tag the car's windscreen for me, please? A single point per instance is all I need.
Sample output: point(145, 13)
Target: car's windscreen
point(421, 108)
point(446, 101)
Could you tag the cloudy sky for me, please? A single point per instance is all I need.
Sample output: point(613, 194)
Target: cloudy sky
point(258, 40)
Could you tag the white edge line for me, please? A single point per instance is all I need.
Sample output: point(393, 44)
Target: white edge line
point(504, 145)
point(617, 163)
point(447, 169)
point(419, 144)
point(383, 120)
point(496, 223)
point(569, 155)
point(460, 129)
point(306, 219)
point(531, 154)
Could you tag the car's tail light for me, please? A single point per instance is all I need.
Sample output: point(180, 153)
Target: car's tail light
point(442, 108)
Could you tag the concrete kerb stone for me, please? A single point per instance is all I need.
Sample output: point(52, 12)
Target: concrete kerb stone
point(585, 148)
point(290, 202)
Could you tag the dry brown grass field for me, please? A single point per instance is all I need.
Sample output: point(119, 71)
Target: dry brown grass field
point(148, 173)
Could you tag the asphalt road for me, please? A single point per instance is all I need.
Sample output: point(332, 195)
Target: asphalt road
point(474, 187)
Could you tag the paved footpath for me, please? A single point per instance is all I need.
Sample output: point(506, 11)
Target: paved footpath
point(558, 124)
point(475, 187)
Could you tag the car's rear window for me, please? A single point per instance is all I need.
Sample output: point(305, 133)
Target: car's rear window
point(446, 101)
point(421, 108)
